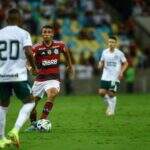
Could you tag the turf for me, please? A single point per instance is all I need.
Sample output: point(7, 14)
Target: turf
point(79, 123)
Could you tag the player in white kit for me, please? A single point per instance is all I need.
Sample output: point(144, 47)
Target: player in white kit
point(113, 63)
point(15, 50)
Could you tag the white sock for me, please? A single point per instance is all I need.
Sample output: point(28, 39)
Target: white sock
point(112, 102)
point(106, 97)
point(3, 112)
point(24, 115)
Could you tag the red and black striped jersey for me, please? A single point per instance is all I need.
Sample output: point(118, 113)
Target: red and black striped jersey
point(48, 60)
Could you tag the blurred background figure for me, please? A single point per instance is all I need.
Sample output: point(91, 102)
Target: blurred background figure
point(130, 78)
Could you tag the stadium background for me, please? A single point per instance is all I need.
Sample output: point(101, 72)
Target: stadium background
point(84, 25)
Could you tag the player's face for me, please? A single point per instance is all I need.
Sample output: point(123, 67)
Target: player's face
point(112, 43)
point(47, 34)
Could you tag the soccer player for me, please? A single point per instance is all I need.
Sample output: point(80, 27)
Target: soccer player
point(15, 49)
point(113, 63)
point(47, 57)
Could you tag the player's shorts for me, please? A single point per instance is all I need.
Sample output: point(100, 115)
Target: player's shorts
point(39, 88)
point(21, 89)
point(109, 85)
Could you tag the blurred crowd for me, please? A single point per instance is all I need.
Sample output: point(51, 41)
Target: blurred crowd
point(85, 25)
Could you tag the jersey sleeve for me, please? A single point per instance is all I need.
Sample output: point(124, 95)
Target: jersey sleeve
point(123, 58)
point(102, 56)
point(33, 49)
point(27, 40)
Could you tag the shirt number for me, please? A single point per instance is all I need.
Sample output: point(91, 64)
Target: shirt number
point(9, 50)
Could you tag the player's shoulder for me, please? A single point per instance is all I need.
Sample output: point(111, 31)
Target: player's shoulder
point(105, 51)
point(14, 30)
point(21, 32)
point(37, 45)
point(119, 51)
point(17, 28)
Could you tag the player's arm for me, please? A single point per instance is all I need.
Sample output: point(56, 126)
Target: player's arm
point(68, 60)
point(123, 68)
point(30, 57)
point(100, 64)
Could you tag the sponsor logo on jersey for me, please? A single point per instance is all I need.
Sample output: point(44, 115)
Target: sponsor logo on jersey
point(9, 75)
point(49, 62)
point(112, 64)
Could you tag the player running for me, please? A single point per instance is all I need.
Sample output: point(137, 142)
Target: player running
point(114, 64)
point(15, 49)
point(47, 56)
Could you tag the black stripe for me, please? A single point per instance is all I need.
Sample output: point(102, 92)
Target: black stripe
point(49, 76)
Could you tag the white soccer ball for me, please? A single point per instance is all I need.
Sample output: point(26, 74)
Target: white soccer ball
point(44, 125)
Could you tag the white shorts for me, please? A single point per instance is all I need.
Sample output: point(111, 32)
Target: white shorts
point(39, 88)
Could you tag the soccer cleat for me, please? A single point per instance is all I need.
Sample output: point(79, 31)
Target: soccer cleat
point(5, 142)
point(109, 112)
point(13, 135)
point(33, 127)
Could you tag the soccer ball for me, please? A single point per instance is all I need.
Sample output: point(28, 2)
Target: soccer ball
point(44, 125)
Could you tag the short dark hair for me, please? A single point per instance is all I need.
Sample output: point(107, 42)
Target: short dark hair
point(113, 37)
point(13, 16)
point(48, 26)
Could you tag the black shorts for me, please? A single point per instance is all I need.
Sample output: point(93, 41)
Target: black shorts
point(21, 89)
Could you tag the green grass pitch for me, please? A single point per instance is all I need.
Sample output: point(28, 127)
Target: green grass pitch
point(79, 123)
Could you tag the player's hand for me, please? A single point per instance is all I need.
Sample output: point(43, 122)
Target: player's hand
point(120, 77)
point(71, 70)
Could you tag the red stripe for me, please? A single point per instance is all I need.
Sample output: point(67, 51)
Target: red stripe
point(48, 71)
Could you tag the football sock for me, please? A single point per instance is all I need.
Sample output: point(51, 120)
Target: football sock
point(24, 115)
point(112, 102)
point(3, 112)
point(33, 116)
point(47, 108)
point(106, 97)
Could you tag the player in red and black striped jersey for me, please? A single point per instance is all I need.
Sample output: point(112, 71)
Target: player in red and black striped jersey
point(47, 57)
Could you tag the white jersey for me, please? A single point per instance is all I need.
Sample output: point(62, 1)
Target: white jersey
point(112, 64)
point(12, 56)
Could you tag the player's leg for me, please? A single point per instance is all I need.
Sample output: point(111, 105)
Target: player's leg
point(52, 88)
point(112, 97)
point(33, 114)
point(23, 92)
point(38, 93)
point(33, 117)
point(112, 103)
point(103, 92)
point(104, 95)
point(5, 93)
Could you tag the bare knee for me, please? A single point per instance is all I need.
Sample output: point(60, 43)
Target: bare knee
point(51, 94)
point(102, 92)
point(111, 94)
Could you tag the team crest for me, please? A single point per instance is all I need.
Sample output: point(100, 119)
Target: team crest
point(49, 52)
point(56, 51)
